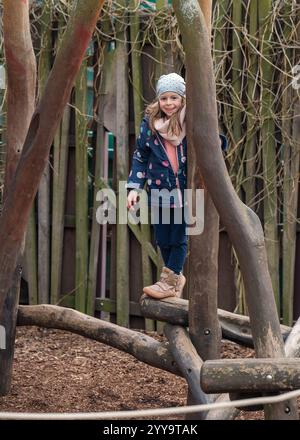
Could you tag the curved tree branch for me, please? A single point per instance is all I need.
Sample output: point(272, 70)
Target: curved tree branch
point(242, 224)
point(142, 347)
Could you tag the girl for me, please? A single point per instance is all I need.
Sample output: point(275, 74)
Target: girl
point(160, 159)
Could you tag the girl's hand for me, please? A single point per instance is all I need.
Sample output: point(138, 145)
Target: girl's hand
point(132, 199)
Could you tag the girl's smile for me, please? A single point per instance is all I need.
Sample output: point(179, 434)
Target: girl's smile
point(170, 103)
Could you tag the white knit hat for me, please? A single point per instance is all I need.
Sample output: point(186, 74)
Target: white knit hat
point(170, 83)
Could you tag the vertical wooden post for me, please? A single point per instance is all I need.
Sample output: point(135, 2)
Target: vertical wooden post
point(59, 185)
point(268, 147)
point(122, 253)
point(100, 172)
point(99, 233)
point(138, 113)
point(81, 185)
point(291, 189)
point(43, 261)
point(204, 326)
point(237, 90)
point(137, 84)
point(203, 265)
point(252, 98)
point(291, 158)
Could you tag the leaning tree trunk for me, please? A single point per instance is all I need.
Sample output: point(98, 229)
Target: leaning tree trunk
point(202, 286)
point(42, 129)
point(242, 224)
point(24, 183)
point(21, 79)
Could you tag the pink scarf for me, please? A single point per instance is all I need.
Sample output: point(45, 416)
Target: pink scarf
point(162, 126)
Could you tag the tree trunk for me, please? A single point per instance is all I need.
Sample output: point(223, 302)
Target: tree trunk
point(41, 132)
point(188, 361)
point(202, 285)
point(21, 80)
point(235, 327)
point(242, 224)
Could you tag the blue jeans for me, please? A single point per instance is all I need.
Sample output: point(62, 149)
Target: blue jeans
point(171, 238)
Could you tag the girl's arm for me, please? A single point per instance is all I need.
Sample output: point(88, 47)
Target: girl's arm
point(137, 175)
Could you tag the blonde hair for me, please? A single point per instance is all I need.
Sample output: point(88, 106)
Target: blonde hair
point(154, 113)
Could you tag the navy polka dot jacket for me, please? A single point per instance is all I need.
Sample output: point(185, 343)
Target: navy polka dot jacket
point(151, 164)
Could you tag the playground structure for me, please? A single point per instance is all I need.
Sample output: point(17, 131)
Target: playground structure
point(185, 351)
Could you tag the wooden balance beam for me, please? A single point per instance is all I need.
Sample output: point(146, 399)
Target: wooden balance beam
point(235, 327)
point(263, 375)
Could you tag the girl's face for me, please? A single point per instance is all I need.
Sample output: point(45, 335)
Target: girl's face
point(170, 103)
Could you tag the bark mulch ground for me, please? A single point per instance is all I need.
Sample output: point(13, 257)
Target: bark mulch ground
point(57, 371)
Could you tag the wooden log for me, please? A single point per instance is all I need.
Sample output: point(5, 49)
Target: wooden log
point(235, 327)
point(204, 326)
point(241, 223)
point(137, 85)
point(139, 345)
point(59, 185)
point(30, 259)
point(188, 361)
point(263, 375)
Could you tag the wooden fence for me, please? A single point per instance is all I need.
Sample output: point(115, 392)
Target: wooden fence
point(100, 269)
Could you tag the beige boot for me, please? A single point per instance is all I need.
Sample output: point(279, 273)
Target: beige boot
point(170, 284)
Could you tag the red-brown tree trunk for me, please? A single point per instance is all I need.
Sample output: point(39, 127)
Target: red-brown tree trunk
point(21, 83)
point(23, 179)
